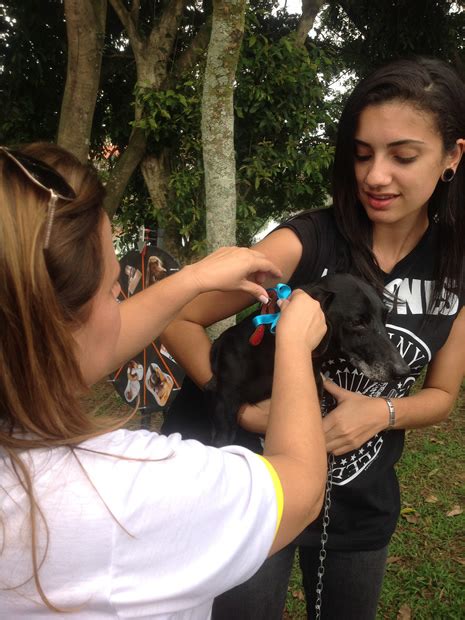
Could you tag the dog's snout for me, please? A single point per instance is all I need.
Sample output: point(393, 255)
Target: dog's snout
point(401, 368)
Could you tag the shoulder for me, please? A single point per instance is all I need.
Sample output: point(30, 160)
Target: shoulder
point(311, 220)
point(316, 229)
point(320, 243)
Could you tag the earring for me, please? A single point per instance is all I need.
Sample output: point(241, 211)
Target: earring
point(448, 175)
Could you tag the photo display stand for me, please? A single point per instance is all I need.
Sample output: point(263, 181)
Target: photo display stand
point(152, 375)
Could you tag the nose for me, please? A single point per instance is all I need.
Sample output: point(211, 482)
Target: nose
point(377, 173)
point(401, 368)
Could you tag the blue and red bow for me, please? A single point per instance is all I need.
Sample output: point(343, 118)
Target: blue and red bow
point(280, 291)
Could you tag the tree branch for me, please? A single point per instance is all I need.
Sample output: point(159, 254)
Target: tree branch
point(124, 167)
point(126, 18)
point(310, 9)
point(196, 48)
point(135, 8)
point(167, 27)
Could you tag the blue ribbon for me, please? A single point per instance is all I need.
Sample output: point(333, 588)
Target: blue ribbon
point(283, 291)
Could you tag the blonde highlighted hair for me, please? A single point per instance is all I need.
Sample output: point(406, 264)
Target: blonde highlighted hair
point(44, 295)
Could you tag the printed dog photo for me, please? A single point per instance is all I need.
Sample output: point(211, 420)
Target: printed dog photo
point(134, 276)
point(155, 270)
point(158, 383)
point(135, 374)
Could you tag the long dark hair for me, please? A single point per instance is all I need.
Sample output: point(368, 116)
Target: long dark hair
point(431, 86)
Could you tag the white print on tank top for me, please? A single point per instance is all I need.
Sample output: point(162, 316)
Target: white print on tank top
point(413, 297)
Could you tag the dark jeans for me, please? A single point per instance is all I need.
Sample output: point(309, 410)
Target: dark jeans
point(351, 586)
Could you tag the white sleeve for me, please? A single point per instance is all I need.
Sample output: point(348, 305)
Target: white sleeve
point(199, 521)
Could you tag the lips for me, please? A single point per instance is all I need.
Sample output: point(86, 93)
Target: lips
point(380, 201)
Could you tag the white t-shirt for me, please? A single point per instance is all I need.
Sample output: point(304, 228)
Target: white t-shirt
point(135, 539)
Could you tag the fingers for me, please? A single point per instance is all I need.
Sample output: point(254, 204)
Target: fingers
point(234, 268)
point(302, 319)
point(254, 418)
point(332, 388)
point(255, 290)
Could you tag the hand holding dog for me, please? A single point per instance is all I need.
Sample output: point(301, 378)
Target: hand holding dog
point(235, 269)
point(302, 322)
point(354, 421)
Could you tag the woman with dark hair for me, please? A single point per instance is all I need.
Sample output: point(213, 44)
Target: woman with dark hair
point(98, 521)
point(398, 221)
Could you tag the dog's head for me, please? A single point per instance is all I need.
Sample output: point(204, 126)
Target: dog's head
point(157, 378)
point(132, 371)
point(356, 316)
point(156, 267)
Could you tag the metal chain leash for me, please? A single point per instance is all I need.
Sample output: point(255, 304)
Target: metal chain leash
point(324, 536)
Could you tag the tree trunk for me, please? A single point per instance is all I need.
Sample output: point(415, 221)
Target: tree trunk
point(218, 128)
point(156, 176)
point(85, 26)
point(218, 122)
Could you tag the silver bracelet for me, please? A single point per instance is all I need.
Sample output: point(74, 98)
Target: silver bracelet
point(392, 413)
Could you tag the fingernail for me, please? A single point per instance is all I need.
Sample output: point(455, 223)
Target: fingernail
point(279, 303)
point(264, 299)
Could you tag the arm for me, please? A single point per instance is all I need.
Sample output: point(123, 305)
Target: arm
point(185, 336)
point(294, 442)
point(146, 314)
point(357, 417)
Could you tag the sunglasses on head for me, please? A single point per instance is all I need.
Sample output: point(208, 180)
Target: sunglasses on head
point(45, 177)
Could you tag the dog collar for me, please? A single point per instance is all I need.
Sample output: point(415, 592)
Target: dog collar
point(281, 291)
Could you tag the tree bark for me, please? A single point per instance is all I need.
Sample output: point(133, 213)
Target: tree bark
point(152, 54)
point(218, 122)
point(310, 9)
point(218, 129)
point(85, 26)
point(156, 174)
point(124, 167)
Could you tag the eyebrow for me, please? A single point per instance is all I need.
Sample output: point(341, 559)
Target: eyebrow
point(396, 143)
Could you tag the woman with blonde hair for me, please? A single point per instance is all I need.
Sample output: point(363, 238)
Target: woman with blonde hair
point(102, 522)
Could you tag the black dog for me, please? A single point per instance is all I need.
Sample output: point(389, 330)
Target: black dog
point(243, 373)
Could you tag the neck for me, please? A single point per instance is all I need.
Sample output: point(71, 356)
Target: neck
point(392, 242)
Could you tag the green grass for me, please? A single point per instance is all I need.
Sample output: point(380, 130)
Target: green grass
point(425, 575)
point(425, 578)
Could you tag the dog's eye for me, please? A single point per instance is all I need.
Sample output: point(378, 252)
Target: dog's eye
point(358, 323)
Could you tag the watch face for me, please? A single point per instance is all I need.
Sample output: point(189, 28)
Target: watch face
point(152, 376)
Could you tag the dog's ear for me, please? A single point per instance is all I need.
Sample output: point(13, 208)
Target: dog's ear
point(322, 294)
point(324, 344)
point(325, 296)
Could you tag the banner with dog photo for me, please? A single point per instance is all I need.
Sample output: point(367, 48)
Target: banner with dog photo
point(153, 375)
